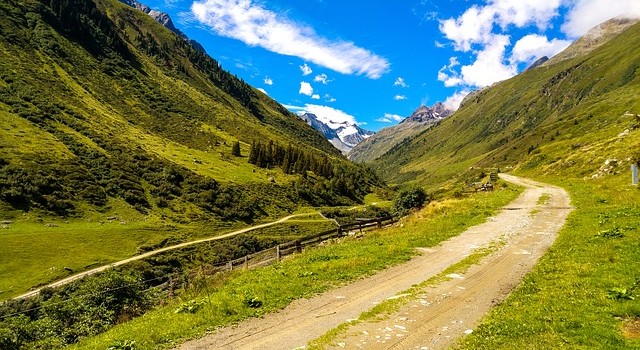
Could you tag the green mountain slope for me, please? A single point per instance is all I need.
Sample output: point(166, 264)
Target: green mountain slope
point(565, 118)
point(100, 104)
point(379, 143)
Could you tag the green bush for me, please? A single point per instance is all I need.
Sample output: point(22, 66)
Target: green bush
point(408, 199)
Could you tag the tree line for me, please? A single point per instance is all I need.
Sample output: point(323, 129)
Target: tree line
point(292, 160)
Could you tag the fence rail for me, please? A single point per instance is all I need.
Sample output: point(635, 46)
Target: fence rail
point(275, 254)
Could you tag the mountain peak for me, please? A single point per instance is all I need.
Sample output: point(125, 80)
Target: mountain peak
point(164, 19)
point(595, 37)
point(428, 114)
point(342, 135)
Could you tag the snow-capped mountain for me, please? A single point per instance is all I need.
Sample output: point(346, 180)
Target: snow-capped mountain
point(342, 135)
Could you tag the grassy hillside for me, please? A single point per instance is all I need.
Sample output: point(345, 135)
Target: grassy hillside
point(116, 134)
point(572, 123)
point(100, 102)
point(563, 119)
point(378, 144)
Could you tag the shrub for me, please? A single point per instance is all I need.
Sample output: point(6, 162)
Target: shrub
point(409, 199)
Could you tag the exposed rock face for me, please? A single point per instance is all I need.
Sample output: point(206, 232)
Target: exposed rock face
point(164, 19)
point(538, 63)
point(375, 146)
point(342, 135)
point(426, 114)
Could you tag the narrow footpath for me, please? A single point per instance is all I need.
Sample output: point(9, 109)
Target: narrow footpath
point(77, 276)
point(442, 313)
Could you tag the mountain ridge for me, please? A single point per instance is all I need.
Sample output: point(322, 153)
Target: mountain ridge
point(544, 119)
point(343, 135)
point(164, 19)
point(421, 119)
point(125, 113)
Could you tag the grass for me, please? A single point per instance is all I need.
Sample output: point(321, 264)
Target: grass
point(584, 290)
point(544, 198)
point(314, 271)
point(33, 254)
point(56, 244)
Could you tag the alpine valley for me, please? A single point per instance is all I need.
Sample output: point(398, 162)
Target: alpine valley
point(149, 197)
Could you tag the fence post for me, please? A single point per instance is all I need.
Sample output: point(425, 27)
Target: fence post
point(230, 265)
point(246, 263)
point(379, 222)
point(298, 246)
point(339, 230)
point(278, 253)
point(634, 174)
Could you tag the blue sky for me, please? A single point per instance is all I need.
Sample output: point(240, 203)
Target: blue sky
point(374, 62)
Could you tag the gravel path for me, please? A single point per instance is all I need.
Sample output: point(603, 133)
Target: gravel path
point(441, 314)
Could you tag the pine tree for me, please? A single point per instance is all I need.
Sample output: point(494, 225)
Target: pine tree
point(235, 149)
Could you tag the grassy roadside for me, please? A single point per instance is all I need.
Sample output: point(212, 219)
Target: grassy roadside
point(230, 297)
point(584, 292)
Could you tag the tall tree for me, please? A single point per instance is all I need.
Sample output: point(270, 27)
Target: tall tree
point(235, 149)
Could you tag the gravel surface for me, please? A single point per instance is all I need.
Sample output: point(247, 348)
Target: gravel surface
point(442, 313)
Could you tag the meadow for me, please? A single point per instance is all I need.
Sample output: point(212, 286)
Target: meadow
point(231, 297)
point(583, 294)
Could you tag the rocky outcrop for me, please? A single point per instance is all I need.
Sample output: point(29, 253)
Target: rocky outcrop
point(538, 63)
point(164, 19)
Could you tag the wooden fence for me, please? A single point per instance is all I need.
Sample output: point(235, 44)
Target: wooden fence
point(274, 254)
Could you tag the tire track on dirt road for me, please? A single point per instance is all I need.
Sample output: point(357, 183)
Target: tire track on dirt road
point(527, 235)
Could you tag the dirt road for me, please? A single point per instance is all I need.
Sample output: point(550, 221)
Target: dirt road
point(151, 253)
point(443, 313)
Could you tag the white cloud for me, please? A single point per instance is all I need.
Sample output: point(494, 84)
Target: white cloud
point(453, 102)
point(400, 82)
point(476, 24)
point(448, 74)
point(263, 91)
point(255, 25)
point(322, 78)
point(484, 31)
point(399, 97)
point(306, 70)
point(268, 81)
point(488, 67)
point(395, 117)
point(328, 98)
point(293, 108)
point(390, 118)
point(586, 14)
point(315, 96)
point(533, 46)
point(328, 115)
point(525, 12)
point(305, 89)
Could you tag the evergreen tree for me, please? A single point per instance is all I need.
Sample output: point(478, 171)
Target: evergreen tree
point(235, 149)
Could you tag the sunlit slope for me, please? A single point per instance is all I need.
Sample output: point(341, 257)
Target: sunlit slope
point(99, 101)
point(566, 119)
